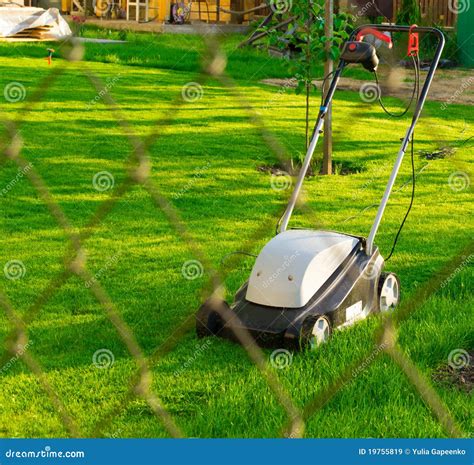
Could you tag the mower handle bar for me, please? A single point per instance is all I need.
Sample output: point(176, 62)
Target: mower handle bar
point(397, 28)
point(323, 111)
point(376, 33)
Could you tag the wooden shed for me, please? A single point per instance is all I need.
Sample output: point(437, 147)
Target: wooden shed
point(213, 11)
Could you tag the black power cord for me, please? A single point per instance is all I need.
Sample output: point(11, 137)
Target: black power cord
point(413, 177)
point(416, 65)
point(416, 90)
point(237, 252)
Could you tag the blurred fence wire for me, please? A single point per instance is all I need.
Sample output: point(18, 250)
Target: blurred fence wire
point(138, 167)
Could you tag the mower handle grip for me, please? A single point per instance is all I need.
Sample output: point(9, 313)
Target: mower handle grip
point(376, 33)
point(327, 100)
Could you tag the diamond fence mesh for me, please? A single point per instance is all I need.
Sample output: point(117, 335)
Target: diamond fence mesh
point(138, 169)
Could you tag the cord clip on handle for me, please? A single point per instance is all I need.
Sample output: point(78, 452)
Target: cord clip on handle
point(380, 35)
point(413, 42)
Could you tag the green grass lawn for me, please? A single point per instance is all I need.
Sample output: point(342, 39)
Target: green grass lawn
point(205, 163)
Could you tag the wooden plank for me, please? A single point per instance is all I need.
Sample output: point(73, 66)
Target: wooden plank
point(77, 4)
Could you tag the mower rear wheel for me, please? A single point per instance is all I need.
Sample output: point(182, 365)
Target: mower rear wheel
point(208, 321)
point(388, 292)
point(315, 331)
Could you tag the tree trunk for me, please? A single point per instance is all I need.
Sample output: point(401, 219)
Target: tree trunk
point(328, 67)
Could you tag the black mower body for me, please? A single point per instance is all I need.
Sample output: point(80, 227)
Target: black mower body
point(353, 283)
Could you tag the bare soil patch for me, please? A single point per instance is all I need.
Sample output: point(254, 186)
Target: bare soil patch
point(449, 86)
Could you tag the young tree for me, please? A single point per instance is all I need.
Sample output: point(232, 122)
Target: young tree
point(313, 36)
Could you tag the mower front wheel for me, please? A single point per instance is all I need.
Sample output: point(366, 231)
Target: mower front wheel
point(388, 292)
point(208, 320)
point(315, 331)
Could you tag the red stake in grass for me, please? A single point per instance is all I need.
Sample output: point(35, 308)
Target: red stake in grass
point(49, 58)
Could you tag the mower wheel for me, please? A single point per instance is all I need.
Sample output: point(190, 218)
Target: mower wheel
point(208, 321)
point(315, 331)
point(388, 292)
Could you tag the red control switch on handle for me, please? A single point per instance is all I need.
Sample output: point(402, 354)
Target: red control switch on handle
point(413, 42)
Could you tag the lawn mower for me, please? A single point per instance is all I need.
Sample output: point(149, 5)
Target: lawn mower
point(305, 283)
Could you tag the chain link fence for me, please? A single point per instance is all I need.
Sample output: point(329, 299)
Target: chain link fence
point(138, 168)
